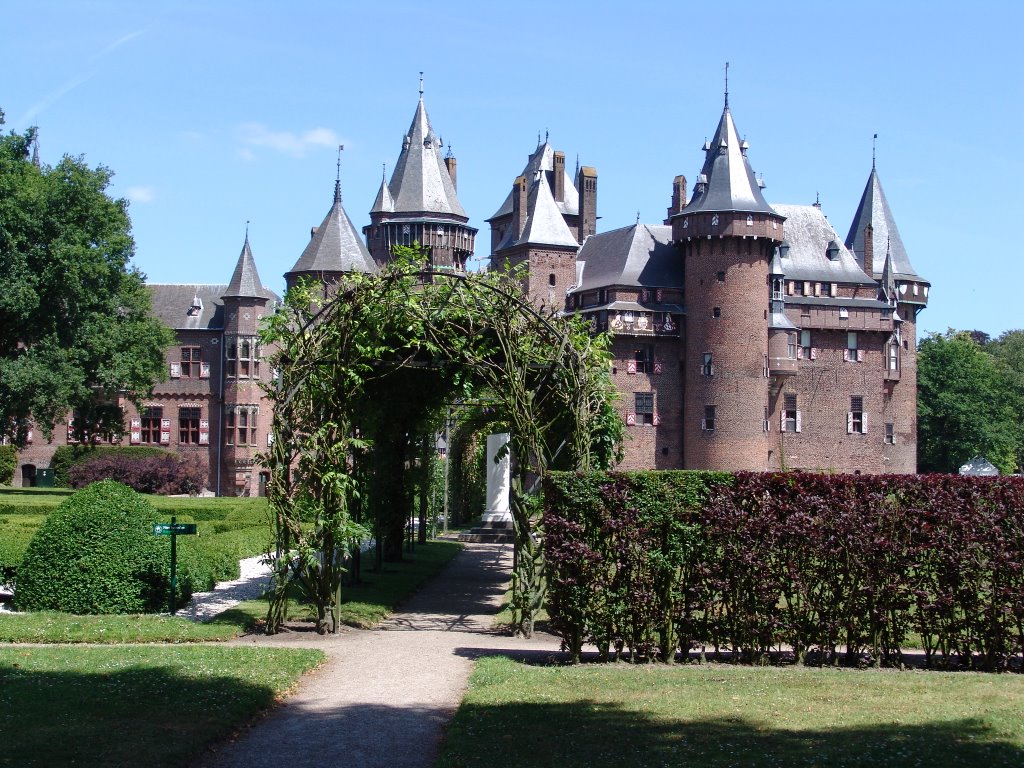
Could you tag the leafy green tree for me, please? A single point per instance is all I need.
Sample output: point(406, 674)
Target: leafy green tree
point(75, 323)
point(968, 404)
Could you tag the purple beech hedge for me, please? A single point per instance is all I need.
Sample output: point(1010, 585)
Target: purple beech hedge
point(836, 569)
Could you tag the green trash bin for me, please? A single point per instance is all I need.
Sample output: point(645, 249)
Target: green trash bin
point(44, 478)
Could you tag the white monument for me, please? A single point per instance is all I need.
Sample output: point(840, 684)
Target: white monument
point(498, 479)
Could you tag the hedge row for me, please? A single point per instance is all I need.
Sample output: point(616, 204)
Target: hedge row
point(839, 569)
point(67, 456)
point(165, 474)
point(8, 463)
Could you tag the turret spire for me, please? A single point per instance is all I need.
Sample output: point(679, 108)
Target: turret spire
point(421, 85)
point(337, 178)
point(874, 141)
point(727, 85)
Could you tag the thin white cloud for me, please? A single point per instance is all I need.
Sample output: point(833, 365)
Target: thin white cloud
point(141, 194)
point(293, 144)
point(70, 85)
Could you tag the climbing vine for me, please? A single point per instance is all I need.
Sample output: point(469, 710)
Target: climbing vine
point(364, 367)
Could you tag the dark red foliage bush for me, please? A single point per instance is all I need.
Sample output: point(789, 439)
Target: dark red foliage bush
point(165, 474)
point(838, 568)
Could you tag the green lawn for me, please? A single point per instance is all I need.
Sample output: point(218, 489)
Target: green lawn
point(157, 706)
point(717, 715)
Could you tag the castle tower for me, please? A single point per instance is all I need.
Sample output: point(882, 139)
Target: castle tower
point(334, 249)
point(245, 415)
point(879, 249)
point(727, 235)
point(420, 204)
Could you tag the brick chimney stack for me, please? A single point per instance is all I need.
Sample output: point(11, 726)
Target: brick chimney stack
point(519, 205)
point(869, 250)
point(559, 186)
point(678, 198)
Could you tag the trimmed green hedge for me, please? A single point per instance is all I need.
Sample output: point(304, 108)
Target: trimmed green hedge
point(8, 463)
point(66, 456)
point(95, 554)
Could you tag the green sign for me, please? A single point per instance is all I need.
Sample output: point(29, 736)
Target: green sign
point(171, 529)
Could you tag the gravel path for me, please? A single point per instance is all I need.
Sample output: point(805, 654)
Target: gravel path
point(385, 695)
point(253, 580)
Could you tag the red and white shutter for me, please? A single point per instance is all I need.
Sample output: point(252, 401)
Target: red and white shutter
point(657, 419)
point(630, 419)
point(658, 367)
point(849, 422)
point(782, 421)
point(846, 355)
point(860, 355)
point(631, 367)
point(864, 423)
point(204, 370)
point(175, 370)
point(204, 431)
point(814, 353)
point(136, 432)
point(165, 431)
point(799, 421)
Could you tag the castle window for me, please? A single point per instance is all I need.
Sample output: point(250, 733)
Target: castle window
point(716, 312)
point(644, 358)
point(708, 422)
point(240, 425)
point(894, 356)
point(890, 433)
point(708, 368)
point(188, 425)
point(551, 279)
point(721, 276)
point(791, 421)
point(644, 403)
point(857, 420)
point(852, 354)
point(191, 366)
point(805, 344)
point(150, 425)
point(791, 345)
point(798, 287)
point(777, 289)
point(241, 357)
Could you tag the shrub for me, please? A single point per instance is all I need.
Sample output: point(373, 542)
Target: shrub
point(96, 553)
point(168, 473)
point(67, 456)
point(8, 463)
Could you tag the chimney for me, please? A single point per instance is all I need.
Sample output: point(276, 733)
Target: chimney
point(559, 187)
point(519, 205)
point(450, 163)
point(678, 197)
point(587, 185)
point(869, 250)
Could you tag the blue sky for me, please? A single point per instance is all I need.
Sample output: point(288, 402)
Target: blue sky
point(213, 114)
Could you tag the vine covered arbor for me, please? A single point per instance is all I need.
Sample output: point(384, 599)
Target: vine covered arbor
point(363, 374)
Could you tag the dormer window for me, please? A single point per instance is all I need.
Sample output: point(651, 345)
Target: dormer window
point(832, 251)
point(197, 306)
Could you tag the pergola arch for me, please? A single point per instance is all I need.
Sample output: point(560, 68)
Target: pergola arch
point(453, 335)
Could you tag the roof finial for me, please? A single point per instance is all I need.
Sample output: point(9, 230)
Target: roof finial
point(337, 179)
point(538, 138)
point(421, 85)
point(577, 174)
point(874, 141)
point(545, 135)
point(727, 85)
point(35, 151)
point(638, 218)
point(247, 230)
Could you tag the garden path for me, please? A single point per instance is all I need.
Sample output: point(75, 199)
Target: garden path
point(385, 695)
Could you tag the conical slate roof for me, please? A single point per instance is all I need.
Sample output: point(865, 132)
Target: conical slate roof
point(874, 210)
point(384, 202)
point(543, 159)
point(421, 183)
point(335, 246)
point(245, 282)
point(726, 182)
point(544, 222)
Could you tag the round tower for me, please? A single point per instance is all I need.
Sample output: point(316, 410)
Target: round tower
point(727, 235)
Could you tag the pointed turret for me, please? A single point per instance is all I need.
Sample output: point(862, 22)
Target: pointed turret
point(334, 249)
point(419, 205)
point(726, 182)
point(544, 222)
point(245, 281)
point(887, 283)
point(874, 211)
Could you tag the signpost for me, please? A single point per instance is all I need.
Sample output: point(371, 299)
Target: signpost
point(174, 529)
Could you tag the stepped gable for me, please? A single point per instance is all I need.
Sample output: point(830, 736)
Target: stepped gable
point(335, 246)
point(245, 281)
point(726, 182)
point(639, 255)
point(815, 251)
point(543, 160)
point(874, 210)
point(421, 183)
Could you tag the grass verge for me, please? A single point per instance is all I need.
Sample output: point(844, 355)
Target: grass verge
point(129, 705)
point(363, 605)
point(717, 715)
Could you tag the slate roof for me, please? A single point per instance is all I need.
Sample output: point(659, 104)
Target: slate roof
point(640, 255)
point(544, 222)
point(809, 235)
point(421, 182)
point(245, 282)
point(874, 209)
point(172, 304)
point(335, 245)
point(543, 159)
point(384, 202)
point(726, 182)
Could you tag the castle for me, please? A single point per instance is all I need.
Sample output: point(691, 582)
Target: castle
point(746, 336)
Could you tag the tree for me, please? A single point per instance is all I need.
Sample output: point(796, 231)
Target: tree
point(75, 324)
point(968, 404)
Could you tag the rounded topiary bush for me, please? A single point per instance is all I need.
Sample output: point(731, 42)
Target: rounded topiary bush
point(96, 553)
